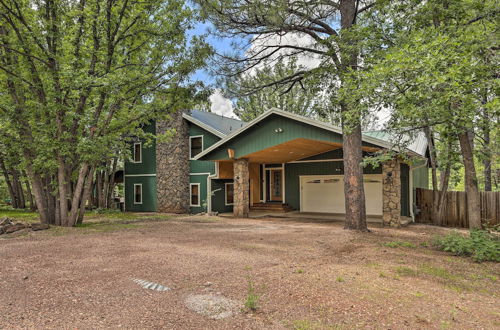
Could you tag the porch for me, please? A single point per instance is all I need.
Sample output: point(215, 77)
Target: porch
point(298, 162)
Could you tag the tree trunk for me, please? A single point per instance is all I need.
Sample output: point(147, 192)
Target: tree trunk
point(105, 187)
point(40, 197)
point(77, 195)
point(432, 156)
point(9, 184)
point(487, 157)
point(86, 195)
point(99, 188)
point(28, 192)
point(63, 192)
point(471, 187)
point(111, 183)
point(18, 189)
point(351, 129)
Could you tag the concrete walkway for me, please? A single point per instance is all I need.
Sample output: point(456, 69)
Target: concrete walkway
point(303, 215)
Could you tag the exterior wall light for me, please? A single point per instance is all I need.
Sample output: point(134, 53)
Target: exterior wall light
point(278, 130)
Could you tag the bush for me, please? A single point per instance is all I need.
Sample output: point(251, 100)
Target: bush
point(480, 245)
point(251, 303)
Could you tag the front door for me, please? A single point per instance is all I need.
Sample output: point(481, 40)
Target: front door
point(276, 185)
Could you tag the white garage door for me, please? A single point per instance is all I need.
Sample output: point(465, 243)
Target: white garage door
point(325, 193)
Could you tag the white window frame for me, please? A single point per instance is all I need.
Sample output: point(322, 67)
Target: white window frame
point(140, 153)
point(191, 194)
point(225, 193)
point(135, 201)
point(192, 137)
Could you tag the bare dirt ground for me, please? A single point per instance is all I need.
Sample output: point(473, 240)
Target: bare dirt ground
point(307, 275)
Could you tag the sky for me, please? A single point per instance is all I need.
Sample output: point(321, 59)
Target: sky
point(219, 104)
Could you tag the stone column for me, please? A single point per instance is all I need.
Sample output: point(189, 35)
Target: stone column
point(241, 206)
point(172, 166)
point(391, 193)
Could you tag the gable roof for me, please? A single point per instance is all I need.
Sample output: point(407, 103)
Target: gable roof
point(216, 124)
point(375, 140)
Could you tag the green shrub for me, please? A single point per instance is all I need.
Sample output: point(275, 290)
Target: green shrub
point(480, 245)
point(251, 303)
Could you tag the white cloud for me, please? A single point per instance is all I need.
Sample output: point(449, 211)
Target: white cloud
point(221, 105)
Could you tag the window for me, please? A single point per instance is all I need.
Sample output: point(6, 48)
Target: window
point(138, 152)
point(229, 193)
point(138, 193)
point(195, 145)
point(195, 194)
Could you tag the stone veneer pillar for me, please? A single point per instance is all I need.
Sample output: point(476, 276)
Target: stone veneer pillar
point(172, 166)
point(241, 206)
point(391, 193)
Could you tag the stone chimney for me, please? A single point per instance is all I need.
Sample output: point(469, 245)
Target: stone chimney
point(172, 166)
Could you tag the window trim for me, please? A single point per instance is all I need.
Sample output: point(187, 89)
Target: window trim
point(225, 193)
point(191, 157)
point(191, 194)
point(140, 153)
point(135, 201)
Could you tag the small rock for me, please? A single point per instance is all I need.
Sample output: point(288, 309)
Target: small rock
point(208, 284)
point(25, 277)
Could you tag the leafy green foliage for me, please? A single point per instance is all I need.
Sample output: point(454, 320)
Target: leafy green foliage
point(252, 300)
point(396, 244)
point(480, 245)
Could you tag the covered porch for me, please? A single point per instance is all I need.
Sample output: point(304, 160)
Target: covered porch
point(297, 163)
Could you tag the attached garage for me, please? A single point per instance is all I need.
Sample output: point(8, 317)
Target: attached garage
point(325, 193)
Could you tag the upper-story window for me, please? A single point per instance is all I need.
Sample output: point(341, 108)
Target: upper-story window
point(195, 145)
point(137, 152)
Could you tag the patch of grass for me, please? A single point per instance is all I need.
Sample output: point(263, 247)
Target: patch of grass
point(340, 279)
point(19, 214)
point(437, 272)
point(418, 294)
point(396, 244)
point(252, 300)
point(313, 325)
point(405, 271)
point(491, 277)
point(480, 245)
point(299, 271)
point(382, 274)
point(103, 227)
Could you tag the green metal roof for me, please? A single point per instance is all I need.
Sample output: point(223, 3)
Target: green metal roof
point(223, 125)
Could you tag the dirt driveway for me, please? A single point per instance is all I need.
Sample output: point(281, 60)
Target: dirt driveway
point(307, 276)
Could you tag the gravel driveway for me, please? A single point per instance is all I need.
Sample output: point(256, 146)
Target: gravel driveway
point(306, 275)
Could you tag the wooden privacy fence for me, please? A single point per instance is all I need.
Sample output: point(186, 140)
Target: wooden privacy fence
point(455, 204)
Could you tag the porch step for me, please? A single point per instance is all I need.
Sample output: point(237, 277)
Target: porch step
point(271, 207)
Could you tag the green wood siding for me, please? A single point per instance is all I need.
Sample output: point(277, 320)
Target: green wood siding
point(219, 197)
point(148, 194)
point(263, 135)
point(198, 166)
point(148, 164)
point(202, 180)
point(294, 170)
point(405, 190)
